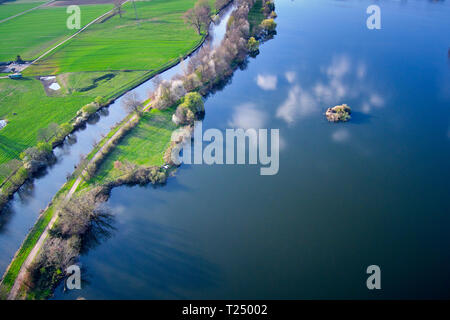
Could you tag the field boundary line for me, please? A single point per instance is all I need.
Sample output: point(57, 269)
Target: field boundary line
point(71, 37)
point(26, 11)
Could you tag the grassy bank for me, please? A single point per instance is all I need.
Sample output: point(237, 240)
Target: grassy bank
point(31, 34)
point(27, 246)
point(143, 146)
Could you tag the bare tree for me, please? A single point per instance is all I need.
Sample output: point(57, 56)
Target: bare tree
point(118, 7)
point(156, 80)
point(135, 11)
point(198, 17)
point(219, 4)
point(131, 102)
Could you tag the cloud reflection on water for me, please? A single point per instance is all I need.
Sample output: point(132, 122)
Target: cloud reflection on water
point(342, 80)
point(267, 82)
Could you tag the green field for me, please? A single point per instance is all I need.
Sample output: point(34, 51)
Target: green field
point(95, 83)
point(31, 34)
point(255, 16)
point(34, 110)
point(144, 145)
point(9, 9)
point(26, 105)
point(126, 43)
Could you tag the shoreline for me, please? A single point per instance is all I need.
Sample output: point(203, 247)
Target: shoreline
point(34, 232)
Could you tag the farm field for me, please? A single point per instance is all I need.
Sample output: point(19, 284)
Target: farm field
point(124, 43)
point(26, 105)
point(9, 9)
point(31, 34)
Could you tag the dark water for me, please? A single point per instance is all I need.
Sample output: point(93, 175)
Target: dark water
point(371, 191)
point(21, 213)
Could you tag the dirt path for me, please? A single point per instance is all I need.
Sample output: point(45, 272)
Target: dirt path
point(33, 253)
point(23, 12)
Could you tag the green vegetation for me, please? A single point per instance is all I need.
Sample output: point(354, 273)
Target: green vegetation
point(253, 45)
point(269, 25)
point(27, 108)
point(144, 145)
point(255, 16)
point(33, 33)
point(9, 9)
point(123, 43)
point(144, 142)
point(339, 113)
point(191, 105)
point(95, 83)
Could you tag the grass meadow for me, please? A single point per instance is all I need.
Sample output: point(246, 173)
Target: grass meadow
point(144, 145)
point(9, 9)
point(31, 34)
point(33, 110)
point(158, 36)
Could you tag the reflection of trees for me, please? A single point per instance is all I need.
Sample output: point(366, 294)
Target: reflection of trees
point(6, 215)
point(104, 112)
point(100, 229)
point(93, 119)
point(26, 192)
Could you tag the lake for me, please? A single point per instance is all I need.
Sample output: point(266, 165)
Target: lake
point(373, 191)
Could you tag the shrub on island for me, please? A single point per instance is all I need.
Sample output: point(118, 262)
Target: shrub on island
point(339, 113)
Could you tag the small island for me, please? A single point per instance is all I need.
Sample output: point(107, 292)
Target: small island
point(339, 113)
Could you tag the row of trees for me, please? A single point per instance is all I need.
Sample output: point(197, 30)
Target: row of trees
point(199, 17)
point(211, 66)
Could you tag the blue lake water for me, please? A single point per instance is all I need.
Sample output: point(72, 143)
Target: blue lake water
point(374, 190)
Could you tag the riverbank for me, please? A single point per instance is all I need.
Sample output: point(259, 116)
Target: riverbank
point(151, 173)
point(25, 100)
